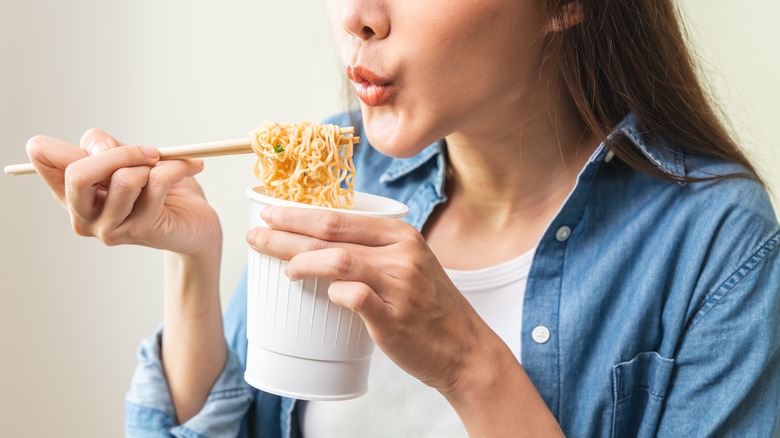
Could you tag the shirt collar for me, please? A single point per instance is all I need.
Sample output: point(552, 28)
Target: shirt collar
point(666, 156)
point(401, 167)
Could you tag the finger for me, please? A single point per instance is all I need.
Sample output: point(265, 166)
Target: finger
point(283, 245)
point(82, 177)
point(333, 226)
point(96, 141)
point(161, 179)
point(124, 189)
point(50, 157)
point(361, 299)
point(336, 264)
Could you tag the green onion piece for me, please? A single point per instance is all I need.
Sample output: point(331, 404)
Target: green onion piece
point(278, 149)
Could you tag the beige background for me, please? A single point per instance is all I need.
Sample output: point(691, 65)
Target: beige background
point(170, 72)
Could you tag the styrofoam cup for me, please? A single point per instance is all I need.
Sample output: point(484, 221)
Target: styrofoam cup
point(301, 345)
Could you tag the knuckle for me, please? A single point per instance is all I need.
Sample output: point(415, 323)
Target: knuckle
point(410, 234)
point(342, 262)
point(360, 297)
point(108, 237)
point(127, 180)
point(138, 234)
point(80, 227)
point(35, 145)
point(156, 179)
point(74, 176)
point(353, 296)
point(331, 225)
point(410, 239)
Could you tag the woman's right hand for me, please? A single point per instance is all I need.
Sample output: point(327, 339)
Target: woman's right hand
point(126, 195)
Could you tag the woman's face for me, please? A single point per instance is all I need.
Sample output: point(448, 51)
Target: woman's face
point(426, 69)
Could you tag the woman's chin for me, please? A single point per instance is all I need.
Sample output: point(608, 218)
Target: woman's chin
point(391, 133)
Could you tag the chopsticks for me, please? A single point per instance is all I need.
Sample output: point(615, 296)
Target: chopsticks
point(198, 150)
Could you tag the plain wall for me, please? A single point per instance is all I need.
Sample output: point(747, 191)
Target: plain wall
point(172, 72)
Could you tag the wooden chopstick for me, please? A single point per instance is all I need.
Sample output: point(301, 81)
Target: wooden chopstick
point(19, 169)
point(198, 150)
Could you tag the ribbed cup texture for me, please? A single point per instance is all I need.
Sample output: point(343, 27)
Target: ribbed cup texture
point(297, 318)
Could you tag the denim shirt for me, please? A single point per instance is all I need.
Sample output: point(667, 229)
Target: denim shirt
point(660, 300)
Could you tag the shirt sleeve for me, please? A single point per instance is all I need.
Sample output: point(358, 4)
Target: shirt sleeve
point(726, 377)
point(149, 409)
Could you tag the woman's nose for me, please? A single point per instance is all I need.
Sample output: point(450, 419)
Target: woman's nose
point(366, 19)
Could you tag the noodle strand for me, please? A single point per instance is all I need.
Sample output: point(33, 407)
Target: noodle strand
point(306, 162)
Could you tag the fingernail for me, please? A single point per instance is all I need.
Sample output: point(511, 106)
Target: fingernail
point(98, 147)
point(150, 151)
point(265, 214)
point(250, 235)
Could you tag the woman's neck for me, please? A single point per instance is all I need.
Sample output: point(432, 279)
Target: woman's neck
point(522, 172)
point(506, 180)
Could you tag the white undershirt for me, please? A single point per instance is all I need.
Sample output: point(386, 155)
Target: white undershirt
point(398, 405)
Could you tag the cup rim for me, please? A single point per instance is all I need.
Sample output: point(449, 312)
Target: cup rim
point(396, 209)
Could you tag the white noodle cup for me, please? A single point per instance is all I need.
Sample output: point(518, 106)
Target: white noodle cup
point(300, 344)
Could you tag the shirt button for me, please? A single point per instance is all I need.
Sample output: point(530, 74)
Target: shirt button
point(563, 233)
point(540, 334)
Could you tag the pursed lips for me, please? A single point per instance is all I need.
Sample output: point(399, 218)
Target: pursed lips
point(372, 89)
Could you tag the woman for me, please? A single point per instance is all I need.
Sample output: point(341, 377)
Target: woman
point(570, 133)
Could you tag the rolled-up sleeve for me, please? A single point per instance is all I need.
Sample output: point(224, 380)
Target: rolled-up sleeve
point(149, 410)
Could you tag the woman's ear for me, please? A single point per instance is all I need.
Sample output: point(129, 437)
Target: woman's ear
point(571, 14)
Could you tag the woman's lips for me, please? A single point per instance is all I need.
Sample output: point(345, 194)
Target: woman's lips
point(371, 88)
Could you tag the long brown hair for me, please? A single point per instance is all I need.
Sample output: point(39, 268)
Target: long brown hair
point(631, 56)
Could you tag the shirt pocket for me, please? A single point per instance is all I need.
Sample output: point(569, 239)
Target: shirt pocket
point(639, 389)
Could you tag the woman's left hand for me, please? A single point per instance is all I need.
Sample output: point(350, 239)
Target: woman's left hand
point(383, 270)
